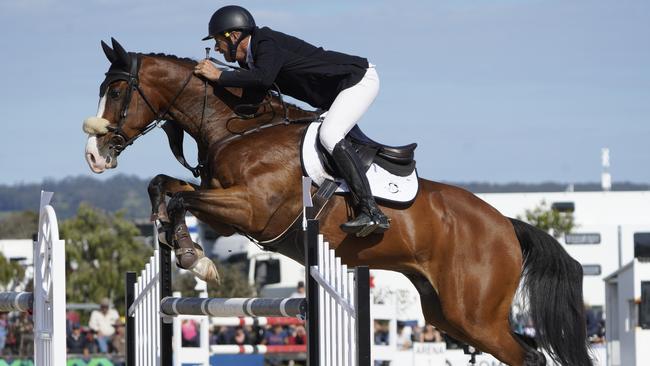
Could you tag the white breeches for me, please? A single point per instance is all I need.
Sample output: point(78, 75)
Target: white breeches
point(348, 108)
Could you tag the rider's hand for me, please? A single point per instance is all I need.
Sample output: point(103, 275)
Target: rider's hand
point(206, 69)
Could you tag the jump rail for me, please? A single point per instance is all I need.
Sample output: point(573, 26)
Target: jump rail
point(336, 311)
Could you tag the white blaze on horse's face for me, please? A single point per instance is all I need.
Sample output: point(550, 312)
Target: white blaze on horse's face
point(99, 158)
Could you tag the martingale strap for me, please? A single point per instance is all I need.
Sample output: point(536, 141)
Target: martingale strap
point(175, 136)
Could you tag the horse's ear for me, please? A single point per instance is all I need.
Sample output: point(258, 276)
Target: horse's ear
point(108, 51)
point(122, 55)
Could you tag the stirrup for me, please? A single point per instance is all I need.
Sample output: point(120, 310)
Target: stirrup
point(374, 224)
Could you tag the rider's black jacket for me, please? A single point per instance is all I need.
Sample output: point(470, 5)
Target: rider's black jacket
point(301, 70)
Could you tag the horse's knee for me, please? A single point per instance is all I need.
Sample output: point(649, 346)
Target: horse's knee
point(155, 184)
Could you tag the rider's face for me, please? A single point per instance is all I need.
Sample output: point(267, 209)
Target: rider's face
point(221, 46)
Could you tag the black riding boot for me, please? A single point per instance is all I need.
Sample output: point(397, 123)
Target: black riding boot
point(369, 217)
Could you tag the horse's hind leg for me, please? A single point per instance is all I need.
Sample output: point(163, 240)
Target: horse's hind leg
point(479, 307)
point(505, 347)
point(432, 309)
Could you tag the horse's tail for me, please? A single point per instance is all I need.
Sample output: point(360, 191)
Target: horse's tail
point(553, 282)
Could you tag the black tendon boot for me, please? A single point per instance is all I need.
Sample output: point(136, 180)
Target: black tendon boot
point(369, 217)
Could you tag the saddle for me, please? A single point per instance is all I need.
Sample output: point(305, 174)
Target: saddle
point(390, 170)
point(398, 160)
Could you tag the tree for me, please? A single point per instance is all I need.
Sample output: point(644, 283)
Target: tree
point(550, 220)
point(19, 225)
point(10, 271)
point(100, 248)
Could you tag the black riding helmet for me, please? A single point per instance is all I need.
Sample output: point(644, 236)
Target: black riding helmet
point(231, 18)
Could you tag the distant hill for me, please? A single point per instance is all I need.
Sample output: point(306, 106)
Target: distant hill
point(129, 193)
point(121, 192)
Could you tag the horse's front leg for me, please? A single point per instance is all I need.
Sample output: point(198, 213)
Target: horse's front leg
point(231, 207)
point(161, 186)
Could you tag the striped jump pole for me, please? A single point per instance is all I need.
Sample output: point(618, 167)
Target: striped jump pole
point(288, 307)
point(47, 302)
point(16, 301)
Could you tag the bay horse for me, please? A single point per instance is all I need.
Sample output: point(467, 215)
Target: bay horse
point(464, 257)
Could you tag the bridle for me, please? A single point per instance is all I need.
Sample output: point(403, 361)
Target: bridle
point(120, 140)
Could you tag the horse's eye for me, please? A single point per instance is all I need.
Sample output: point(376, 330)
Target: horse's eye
point(114, 93)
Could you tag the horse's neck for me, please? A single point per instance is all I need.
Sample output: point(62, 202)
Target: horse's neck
point(207, 113)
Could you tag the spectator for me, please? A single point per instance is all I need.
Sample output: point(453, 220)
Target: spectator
point(220, 335)
point(76, 342)
point(240, 337)
point(256, 334)
point(381, 332)
point(300, 290)
point(118, 343)
point(101, 321)
point(298, 336)
point(91, 342)
point(71, 318)
point(593, 323)
point(404, 336)
point(11, 343)
point(25, 331)
point(190, 333)
point(430, 334)
point(276, 336)
point(3, 331)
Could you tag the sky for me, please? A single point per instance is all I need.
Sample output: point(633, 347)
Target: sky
point(491, 90)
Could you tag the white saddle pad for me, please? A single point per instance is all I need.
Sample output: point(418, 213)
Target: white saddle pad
point(383, 184)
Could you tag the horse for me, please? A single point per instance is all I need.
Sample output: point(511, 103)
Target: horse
point(464, 257)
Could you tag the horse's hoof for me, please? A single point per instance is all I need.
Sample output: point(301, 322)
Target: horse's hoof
point(205, 269)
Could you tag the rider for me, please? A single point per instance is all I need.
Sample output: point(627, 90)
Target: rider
point(345, 85)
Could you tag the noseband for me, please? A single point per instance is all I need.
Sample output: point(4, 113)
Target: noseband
point(120, 140)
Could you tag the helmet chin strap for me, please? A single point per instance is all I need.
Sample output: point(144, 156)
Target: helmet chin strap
point(232, 47)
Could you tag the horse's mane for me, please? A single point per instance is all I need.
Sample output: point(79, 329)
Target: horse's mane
point(171, 57)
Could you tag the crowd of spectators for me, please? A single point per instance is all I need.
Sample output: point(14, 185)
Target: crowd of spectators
point(407, 333)
point(104, 334)
point(16, 334)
